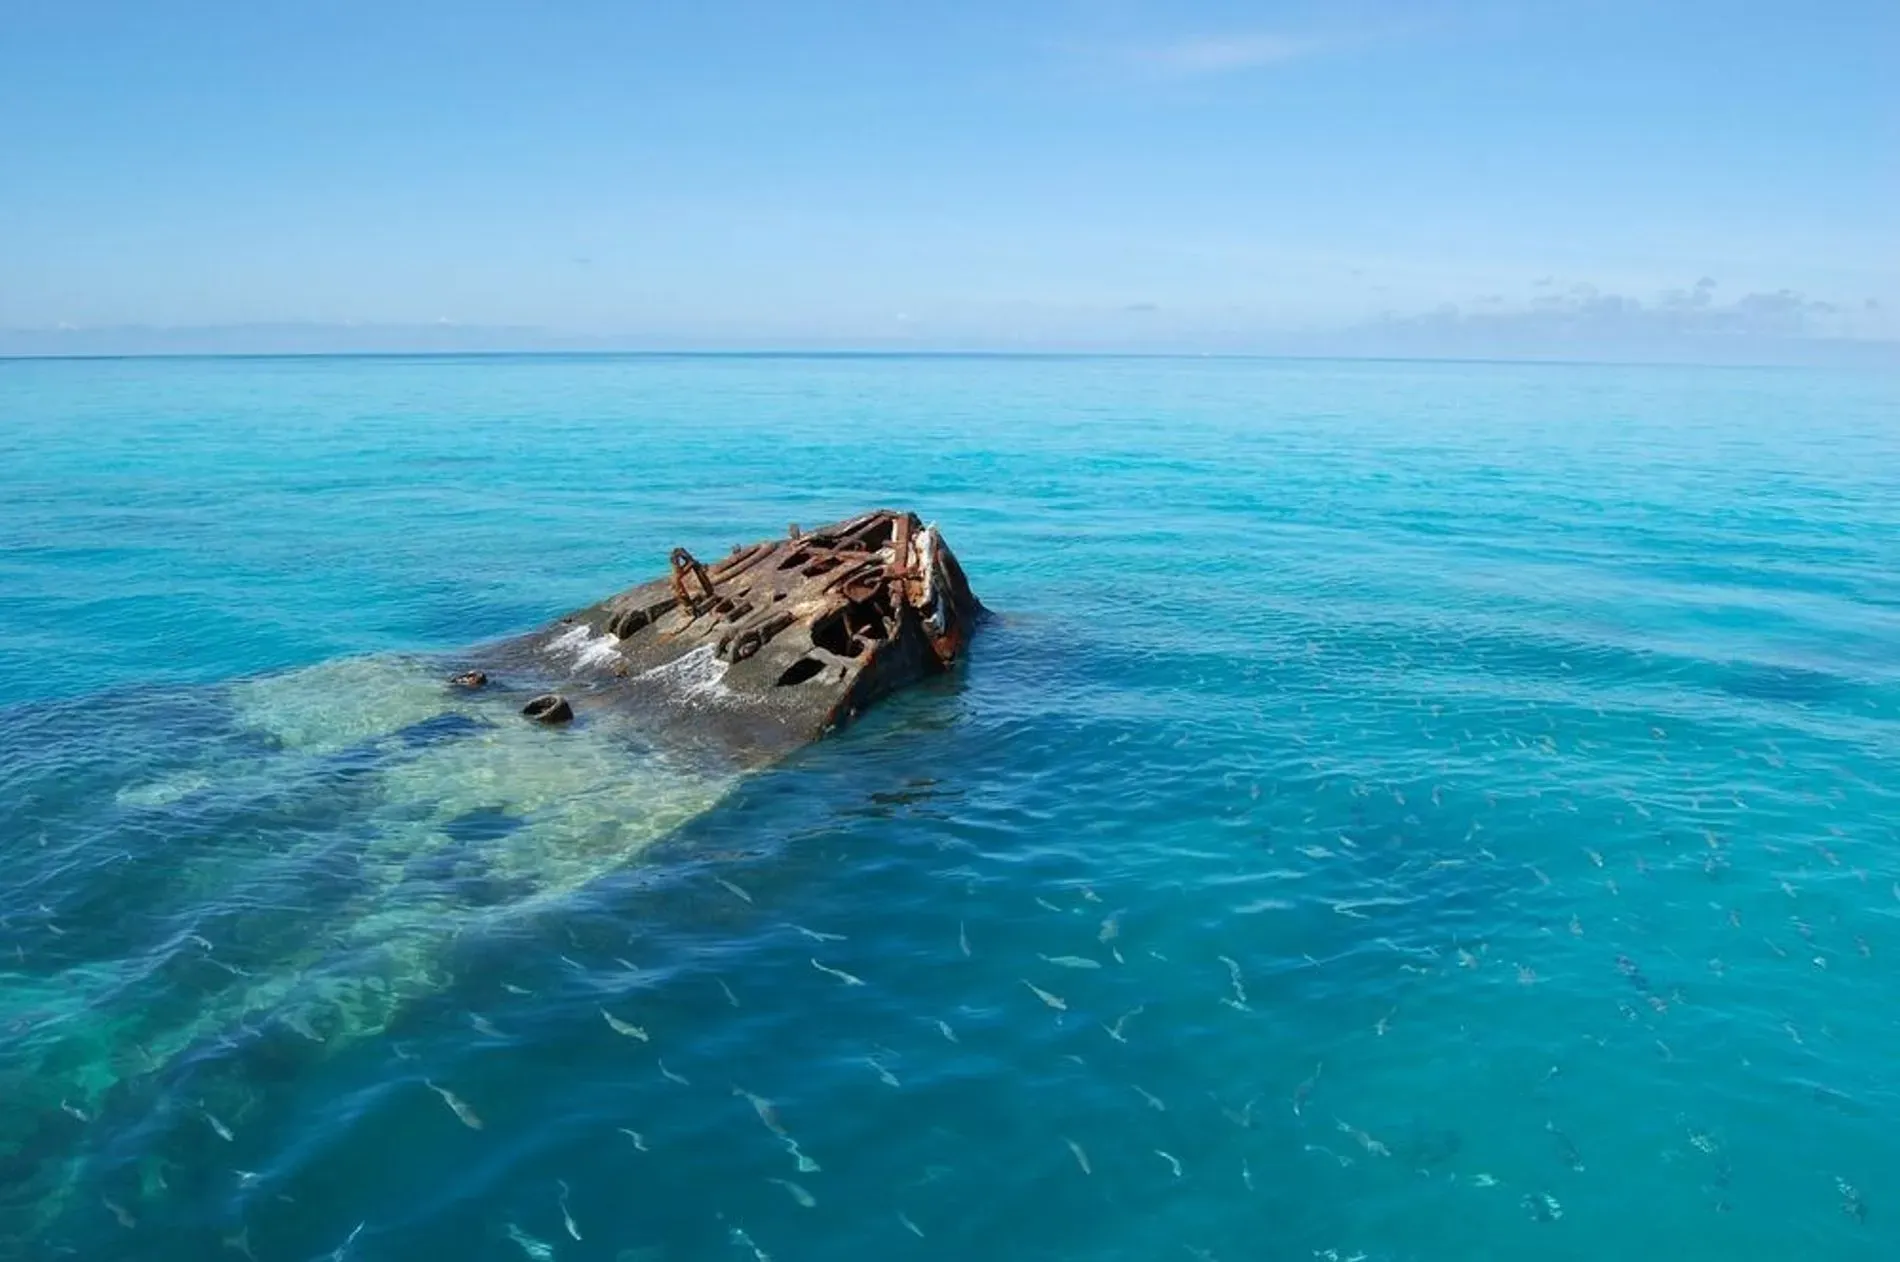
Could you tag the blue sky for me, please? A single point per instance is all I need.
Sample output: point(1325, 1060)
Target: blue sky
point(1455, 177)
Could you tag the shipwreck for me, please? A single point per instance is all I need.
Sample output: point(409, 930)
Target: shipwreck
point(766, 648)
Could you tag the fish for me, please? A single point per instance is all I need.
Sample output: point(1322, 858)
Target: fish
point(67, 1107)
point(1595, 858)
point(639, 1140)
point(1173, 1161)
point(513, 989)
point(539, 1250)
point(1111, 928)
point(1246, 1174)
point(733, 889)
point(567, 1218)
point(739, 1236)
point(1543, 1207)
point(1484, 1181)
point(1466, 959)
point(1701, 1142)
point(963, 939)
point(798, 1193)
point(912, 1227)
point(223, 1132)
point(1365, 1141)
point(484, 1026)
point(457, 1105)
point(1380, 1026)
point(943, 1028)
point(336, 1255)
point(1089, 895)
point(767, 1111)
point(1233, 975)
point(119, 1212)
point(1305, 1089)
point(240, 1242)
point(1046, 904)
point(670, 1076)
point(730, 997)
point(816, 936)
point(1115, 1031)
point(805, 1164)
point(1566, 1148)
point(1053, 1001)
point(626, 963)
point(622, 1027)
point(1069, 961)
point(884, 1075)
point(1081, 1158)
point(1154, 1101)
point(298, 1022)
point(1242, 1119)
point(838, 973)
point(1851, 1203)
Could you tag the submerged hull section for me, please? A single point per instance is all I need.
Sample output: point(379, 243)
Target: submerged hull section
point(766, 649)
point(342, 843)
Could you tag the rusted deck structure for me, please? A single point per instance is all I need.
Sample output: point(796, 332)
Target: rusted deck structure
point(770, 646)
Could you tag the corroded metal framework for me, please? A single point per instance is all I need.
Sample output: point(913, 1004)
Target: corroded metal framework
point(787, 638)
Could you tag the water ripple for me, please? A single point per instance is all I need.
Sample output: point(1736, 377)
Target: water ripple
point(1391, 801)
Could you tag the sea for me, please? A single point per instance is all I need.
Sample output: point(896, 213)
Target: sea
point(1392, 811)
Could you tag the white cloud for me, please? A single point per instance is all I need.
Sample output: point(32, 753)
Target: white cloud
point(1695, 324)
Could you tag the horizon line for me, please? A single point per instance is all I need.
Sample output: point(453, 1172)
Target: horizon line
point(868, 353)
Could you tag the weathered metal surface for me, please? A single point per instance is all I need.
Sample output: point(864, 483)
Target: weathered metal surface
point(771, 646)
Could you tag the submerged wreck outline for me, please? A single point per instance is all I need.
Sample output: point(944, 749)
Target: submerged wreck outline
point(747, 659)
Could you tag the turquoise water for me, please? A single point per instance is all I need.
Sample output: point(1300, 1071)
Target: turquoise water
point(1458, 807)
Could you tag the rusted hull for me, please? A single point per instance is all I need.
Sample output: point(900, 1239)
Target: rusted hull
point(769, 647)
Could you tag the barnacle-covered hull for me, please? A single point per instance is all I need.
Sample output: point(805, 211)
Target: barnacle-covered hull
point(767, 648)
